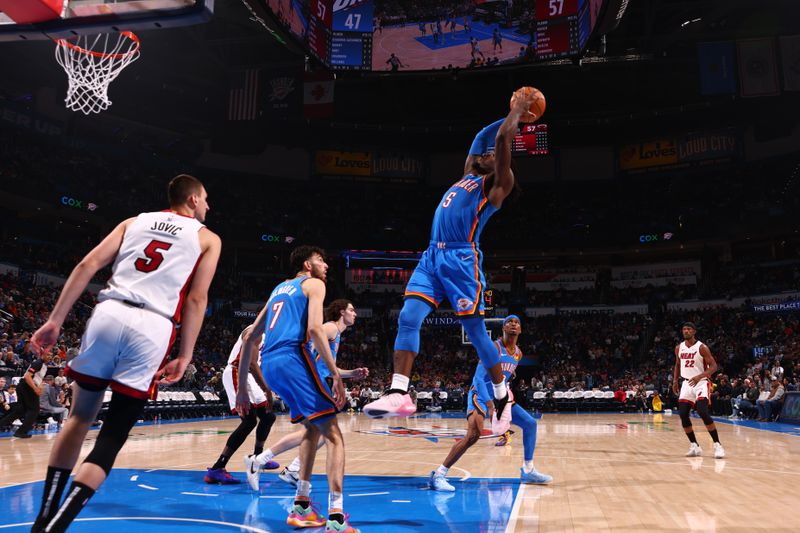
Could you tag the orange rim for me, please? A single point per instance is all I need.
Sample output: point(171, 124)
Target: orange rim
point(129, 34)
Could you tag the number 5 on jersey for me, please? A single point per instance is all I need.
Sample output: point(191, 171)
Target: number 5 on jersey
point(448, 199)
point(154, 256)
point(277, 307)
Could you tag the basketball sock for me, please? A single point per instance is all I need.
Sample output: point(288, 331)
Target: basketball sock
point(77, 497)
point(335, 506)
point(399, 381)
point(527, 466)
point(442, 470)
point(295, 466)
point(714, 435)
point(265, 457)
point(500, 390)
point(691, 437)
point(222, 462)
point(302, 496)
point(54, 485)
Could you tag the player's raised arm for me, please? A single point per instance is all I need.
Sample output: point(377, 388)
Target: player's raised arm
point(481, 145)
point(195, 307)
point(81, 275)
point(503, 175)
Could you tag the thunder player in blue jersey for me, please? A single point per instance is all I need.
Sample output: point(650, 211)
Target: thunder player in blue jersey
point(451, 266)
point(291, 317)
point(477, 402)
point(339, 315)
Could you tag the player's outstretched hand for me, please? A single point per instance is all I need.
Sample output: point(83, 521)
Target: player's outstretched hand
point(243, 402)
point(45, 337)
point(360, 373)
point(173, 371)
point(338, 391)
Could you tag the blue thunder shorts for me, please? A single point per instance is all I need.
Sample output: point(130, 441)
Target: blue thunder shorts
point(294, 376)
point(452, 271)
point(477, 400)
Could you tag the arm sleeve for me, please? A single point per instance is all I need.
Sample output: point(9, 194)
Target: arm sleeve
point(484, 140)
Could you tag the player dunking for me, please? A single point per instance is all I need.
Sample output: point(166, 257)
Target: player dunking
point(451, 266)
point(291, 317)
point(259, 418)
point(339, 315)
point(477, 401)
point(695, 364)
point(163, 266)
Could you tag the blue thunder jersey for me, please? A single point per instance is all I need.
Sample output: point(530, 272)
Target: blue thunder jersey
point(463, 211)
point(287, 318)
point(482, 381)
point(322, 368)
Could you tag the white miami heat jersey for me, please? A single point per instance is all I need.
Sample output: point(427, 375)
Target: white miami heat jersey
point(692, 363)
point(236, 351)
point(156, 262)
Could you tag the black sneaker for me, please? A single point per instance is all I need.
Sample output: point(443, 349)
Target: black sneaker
point(499, 405)
point(22, 435)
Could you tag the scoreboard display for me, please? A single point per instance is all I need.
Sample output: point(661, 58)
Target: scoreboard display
point(351, 43)
point(319, 33)
point(531, 140)
point(562, 27)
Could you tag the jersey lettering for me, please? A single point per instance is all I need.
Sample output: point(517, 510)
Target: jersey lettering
point(154, 256)
point(449, 199)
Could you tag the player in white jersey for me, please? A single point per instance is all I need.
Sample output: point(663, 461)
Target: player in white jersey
point(695, 364)
point(163, 264)
point(259, 418)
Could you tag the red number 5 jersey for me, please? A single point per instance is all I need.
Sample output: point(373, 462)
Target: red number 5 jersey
point(155, 263)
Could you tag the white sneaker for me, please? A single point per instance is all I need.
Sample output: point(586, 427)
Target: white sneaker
point(440, 483)
point(694, 450)
point(289, 476)
point(391, 404)
point(719, 451)
point(51, 420)
point(253, 471)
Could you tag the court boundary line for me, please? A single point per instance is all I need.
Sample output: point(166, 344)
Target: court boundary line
point(155, 519)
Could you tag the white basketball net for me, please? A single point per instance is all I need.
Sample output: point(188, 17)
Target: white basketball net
point(92, 62)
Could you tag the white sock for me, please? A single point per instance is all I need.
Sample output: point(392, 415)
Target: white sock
point(335, 502)
point(295, 466)
point(265, 456)
point(527, 466)
point(442, 470)
point(303, 489)
point(500, 390)
point(399, 381)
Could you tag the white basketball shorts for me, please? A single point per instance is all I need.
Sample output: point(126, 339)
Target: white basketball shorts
point(122, 346)
point(230, 379)
point(691, 394)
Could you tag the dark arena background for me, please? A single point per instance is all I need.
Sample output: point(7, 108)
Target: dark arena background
point(661, 186)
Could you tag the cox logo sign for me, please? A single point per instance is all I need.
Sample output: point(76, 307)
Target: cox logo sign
point(270, 238)
point(77, 204)
point(654, 237)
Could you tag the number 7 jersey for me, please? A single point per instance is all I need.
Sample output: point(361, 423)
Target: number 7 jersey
point(155, 263)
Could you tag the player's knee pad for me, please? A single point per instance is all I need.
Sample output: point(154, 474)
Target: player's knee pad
point(123, 412)
point(683, 410)
point(265, 421)
point(702, 409)
point(476, 331)
point(408, 324)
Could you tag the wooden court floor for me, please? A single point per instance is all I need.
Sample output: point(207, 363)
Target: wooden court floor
point(612, 472)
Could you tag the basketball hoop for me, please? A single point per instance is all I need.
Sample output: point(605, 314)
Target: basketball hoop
point(92, 62)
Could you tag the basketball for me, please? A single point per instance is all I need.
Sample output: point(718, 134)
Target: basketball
point(537, 106)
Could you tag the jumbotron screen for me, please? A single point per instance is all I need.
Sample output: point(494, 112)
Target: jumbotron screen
point(386, 35)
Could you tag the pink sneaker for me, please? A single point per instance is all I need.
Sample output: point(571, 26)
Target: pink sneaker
point(500, 426)
point(393, 403)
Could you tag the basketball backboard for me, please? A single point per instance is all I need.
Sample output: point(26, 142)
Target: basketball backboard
point(82, 17)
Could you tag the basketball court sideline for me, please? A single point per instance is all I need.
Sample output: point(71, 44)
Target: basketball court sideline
point(612, 472)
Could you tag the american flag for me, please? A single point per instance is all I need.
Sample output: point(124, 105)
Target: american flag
point(243, 96)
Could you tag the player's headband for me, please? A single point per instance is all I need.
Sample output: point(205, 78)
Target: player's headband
point(689, 325)
point(509, 317)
